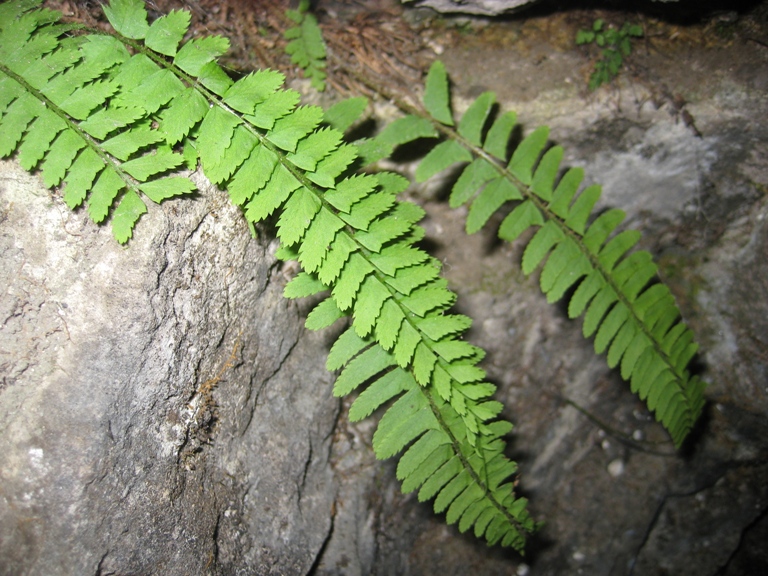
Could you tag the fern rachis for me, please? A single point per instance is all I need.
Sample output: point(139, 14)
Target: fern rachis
point(353, 238)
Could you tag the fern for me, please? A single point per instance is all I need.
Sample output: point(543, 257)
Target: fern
point(633, 318)
point(123, 112)
point(306, 47)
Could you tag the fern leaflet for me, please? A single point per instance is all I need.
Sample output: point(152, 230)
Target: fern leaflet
point(633, 318)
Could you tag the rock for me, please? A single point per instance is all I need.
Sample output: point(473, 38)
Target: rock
point(478, 7)
point(161, 408)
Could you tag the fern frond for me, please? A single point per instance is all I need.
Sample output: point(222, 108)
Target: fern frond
point(306, 47)
point(353, 238)
point(631, 316)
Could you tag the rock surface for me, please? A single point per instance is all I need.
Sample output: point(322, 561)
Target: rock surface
point(479, 7)
point(161, 409)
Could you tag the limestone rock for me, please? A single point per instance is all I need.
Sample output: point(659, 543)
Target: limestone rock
point(161, 409)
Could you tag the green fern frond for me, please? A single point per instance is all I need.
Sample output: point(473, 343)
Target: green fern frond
point(633, 318)
point(353, 238)
point(306, 47)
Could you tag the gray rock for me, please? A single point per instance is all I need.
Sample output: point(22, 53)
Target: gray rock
point(479, 7)
point(161, 409)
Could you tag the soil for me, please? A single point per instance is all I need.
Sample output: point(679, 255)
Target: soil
point(681, 137)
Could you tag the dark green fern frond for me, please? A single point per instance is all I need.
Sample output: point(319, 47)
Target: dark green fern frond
point(165, 103)
point(306, 47)
point(80, 110)
point(632, 317)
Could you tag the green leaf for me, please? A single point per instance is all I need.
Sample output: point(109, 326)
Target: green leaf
point(419, 451)
point(80, 103)
point(145, 166)
point(127, 213)
point(253, 89)
point(361, 368)
point(152, 92)
point(601, 228)
point(344, 114)
point(565, 191)
point(473, 121)
point(182, 114)
point(406, 280)
point(350, 191)
point(427, 299)
point(196, 53)
point(388, 326)
point(159, 190)
point(545, 239)
point(17, 116)
point(80, 177)
point(429, 466)
point(165, 33)
point(546, 172)
point(335, 258)
point(384, 230)
point(472, 178)
point(527, 153)
point(252, 175)
point(441, 157)
point(362, 213)
point(497, 141)
point(370, 299)
point(333, 165)
point(274, 107)
point(60, 157)
point(405, 347)
point(303, 285)
point(438, 327)
point(314, 148)
point(128, 17)
point(297, 215)
point(289, 130)
point(346, 347)
point(600, 304)
point(396, 256)
point(582, 208)
point(406, 129)
point(436, 95)
point(494, 195)
point(214, 139)
point(323, 315)
point(277, 189)
point(407, 419)
point(519, 220)
point(440, 478)
point(380, 391)
point(127, 142)
point(352, 275)
point(103, 194)
point(451, 491)
point(38, 139)
point(318, 239)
